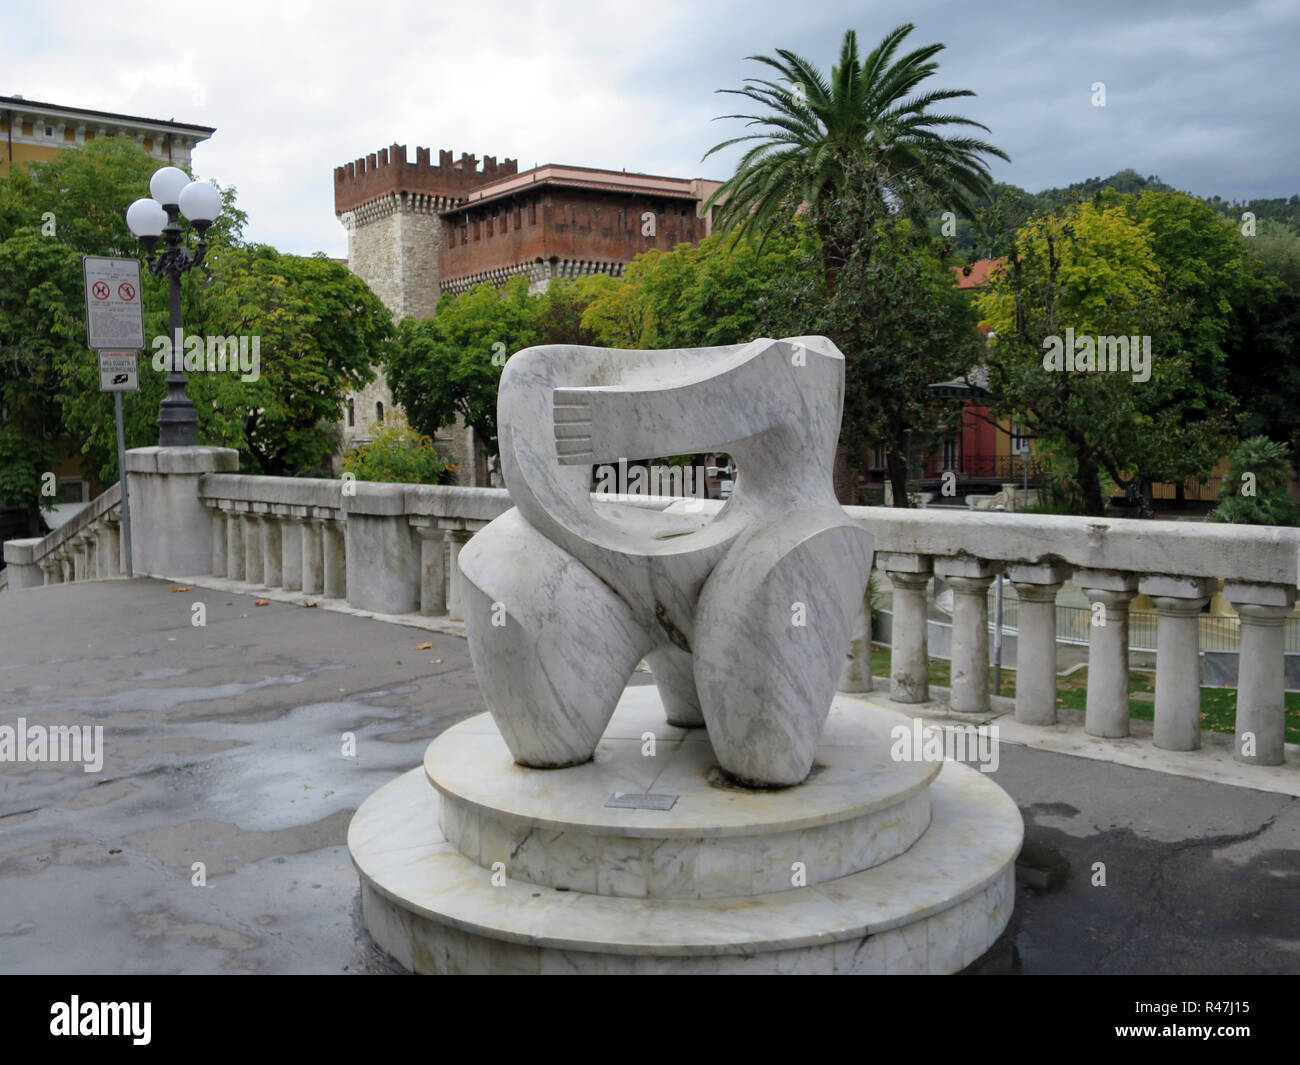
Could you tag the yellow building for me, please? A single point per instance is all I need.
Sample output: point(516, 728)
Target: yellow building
point(31, 131)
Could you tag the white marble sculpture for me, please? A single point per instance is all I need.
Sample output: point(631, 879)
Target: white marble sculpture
point(744, 619)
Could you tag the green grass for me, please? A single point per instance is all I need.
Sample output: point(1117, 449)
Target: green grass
point(1218, 705)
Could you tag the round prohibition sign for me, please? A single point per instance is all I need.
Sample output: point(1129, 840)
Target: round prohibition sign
point(100, 290)
point(126, 290)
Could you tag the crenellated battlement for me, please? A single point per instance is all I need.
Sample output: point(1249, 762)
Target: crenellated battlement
point(387, 171)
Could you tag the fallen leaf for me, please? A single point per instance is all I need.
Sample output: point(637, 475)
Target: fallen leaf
point(261, 602)
point(424, 646)
point(182, 588)
point(308, 602)
point(437, 661)
point(243, 615)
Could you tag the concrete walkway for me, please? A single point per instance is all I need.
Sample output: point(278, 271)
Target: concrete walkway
point(225, 745)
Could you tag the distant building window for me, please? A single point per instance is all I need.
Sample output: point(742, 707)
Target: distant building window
point(73, 490)
point(379, 413)
point(950, 453)
point(352, 412)
point(49, 131)
point(1019, 440)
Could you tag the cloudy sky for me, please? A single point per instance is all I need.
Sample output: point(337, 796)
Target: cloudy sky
point(1201, 92)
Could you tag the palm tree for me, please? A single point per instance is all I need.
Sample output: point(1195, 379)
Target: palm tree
point(864, 132)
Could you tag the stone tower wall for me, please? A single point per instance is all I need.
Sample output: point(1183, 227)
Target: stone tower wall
point(390, 208)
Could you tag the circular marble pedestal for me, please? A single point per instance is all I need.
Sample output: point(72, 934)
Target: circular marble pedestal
point(476, 865)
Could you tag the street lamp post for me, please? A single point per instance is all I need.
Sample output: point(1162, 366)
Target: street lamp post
point(174, 194)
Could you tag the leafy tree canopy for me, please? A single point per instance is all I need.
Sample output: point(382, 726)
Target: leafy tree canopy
point(1093, 270)
point(41, 328)
point(867, 130)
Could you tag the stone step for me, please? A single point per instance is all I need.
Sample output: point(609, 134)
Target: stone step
point(552, 828)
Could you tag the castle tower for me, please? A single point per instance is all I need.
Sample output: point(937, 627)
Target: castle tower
point(391, 210)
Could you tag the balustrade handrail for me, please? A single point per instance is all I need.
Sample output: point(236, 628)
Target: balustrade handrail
point(88, 515)
point(1254, 554)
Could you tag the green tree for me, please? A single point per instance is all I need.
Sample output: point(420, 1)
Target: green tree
point(560, 309)
point(80, 198)
point(77, 202)
point(903, 325)
point(1207, 277)
point(397, 453)
point(1264, 364)
point(1256, 490)
point(721, 291)
point(316, 329)
point(41, 329)
point(614, 311)
point(450, 364)
point(1091, 269)
point(867, 130)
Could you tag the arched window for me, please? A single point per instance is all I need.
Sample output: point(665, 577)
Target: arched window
point(379, 413)
point(352, 412)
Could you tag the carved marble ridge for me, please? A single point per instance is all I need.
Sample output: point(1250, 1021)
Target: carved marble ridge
point(744, 619)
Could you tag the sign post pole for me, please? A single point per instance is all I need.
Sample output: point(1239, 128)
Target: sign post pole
point(121, 473)
point(119, 373)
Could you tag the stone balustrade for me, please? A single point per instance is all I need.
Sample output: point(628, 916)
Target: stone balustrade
point(385, 548)
point(393, 549)
point(1177, 564)
point(89, 546)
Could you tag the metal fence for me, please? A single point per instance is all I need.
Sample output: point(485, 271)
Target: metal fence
point(1074, 625)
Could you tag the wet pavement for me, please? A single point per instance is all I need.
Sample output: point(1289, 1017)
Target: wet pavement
point(234, 754)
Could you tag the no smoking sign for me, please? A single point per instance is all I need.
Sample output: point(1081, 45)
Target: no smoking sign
point(113, 315)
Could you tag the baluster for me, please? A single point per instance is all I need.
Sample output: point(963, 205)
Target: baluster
point(218, 542)
point(1107, 709)
point(291, 551)
point(1261, 670)
point(433, 570)
point(313, 560)
point(1036, 587)
point(253, 569)
point(336, 561)
point(969, 579)
point(909, 662)
point(456, 539)
point(272, 573)
point(1178, 602)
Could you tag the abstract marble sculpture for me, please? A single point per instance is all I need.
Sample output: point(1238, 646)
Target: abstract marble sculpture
point(744, 619)
point(572, 830)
